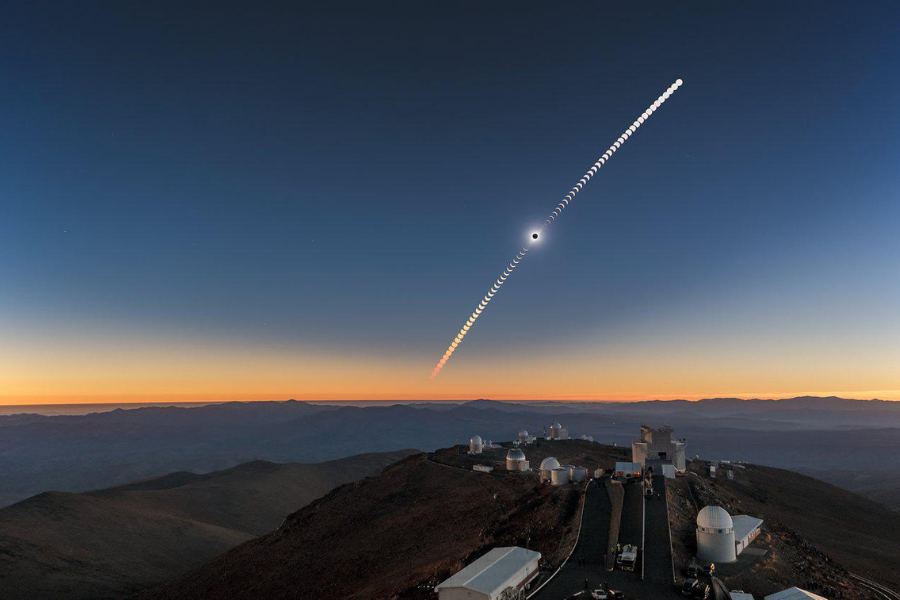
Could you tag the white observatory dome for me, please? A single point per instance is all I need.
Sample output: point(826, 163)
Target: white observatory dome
point(549, 463)
point(515, 454)
point(476, 439)
point(556, 426)
point(715, 535)
point(523, 433)
point(714, 518)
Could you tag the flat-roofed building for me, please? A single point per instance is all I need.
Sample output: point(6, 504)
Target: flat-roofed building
point(501, 574)
point(794, 593)
point(746, 529)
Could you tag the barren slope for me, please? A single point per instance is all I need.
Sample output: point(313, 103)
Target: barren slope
point(105, 543)
point(388, 536)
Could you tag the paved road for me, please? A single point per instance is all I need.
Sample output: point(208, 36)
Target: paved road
point(587, 559)
point(657, 544)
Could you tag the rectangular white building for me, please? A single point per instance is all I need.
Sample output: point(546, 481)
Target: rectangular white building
point(502, 572)
point(794, 593)
point(746, 529)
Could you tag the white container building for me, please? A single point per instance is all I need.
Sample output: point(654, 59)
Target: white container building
point(559, 476)
point(794, 593)
point(746, 529)
point(501, 573)
point(577, 474)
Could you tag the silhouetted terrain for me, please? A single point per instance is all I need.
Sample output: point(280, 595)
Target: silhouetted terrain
point(74, 453)
point(108, 542)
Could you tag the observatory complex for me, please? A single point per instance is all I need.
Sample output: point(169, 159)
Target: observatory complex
point(721, 537)
point(657, 444)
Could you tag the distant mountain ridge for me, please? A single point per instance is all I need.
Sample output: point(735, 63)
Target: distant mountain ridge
point(75, 453)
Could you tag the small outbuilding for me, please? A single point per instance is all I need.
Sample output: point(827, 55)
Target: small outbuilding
point(746, 529)
point(577, 474)
point(499, 574)
point(559, 476)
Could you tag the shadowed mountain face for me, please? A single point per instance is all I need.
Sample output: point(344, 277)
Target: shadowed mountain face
point(108, 542)
point(74, 453)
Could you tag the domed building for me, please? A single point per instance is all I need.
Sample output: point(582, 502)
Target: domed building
point(715, 535)
point(515, 460)
point(547, 465)
point(721, 537)
point(476, 445)
point(558, 432)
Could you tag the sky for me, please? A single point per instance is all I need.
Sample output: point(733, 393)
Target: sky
point(239, 201)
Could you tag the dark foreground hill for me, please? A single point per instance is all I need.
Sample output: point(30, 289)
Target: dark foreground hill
point(396, 535)
point(814, 534)
point(105, 543)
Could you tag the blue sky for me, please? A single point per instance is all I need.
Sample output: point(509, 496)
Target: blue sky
point(347, 180)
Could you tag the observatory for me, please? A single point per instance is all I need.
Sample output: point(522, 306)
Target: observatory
point(501, 574)
point(657, 444)
point(547, 465)
point(515, 460)
point(524, 437)
point(558, 432)
point(721, 537)
point(476, 445)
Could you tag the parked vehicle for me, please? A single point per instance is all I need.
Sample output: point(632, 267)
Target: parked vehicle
point(694, 588)
point(627, 558)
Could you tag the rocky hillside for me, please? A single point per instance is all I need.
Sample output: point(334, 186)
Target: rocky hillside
point(105, 543)
point(396, 535)
point(814, 535)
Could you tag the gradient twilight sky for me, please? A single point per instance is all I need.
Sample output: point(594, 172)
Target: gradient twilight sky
point(213, 201)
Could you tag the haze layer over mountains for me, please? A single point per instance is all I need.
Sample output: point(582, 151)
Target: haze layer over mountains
point(832, 437)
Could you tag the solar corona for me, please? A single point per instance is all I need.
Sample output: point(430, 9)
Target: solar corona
point(551, 218)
